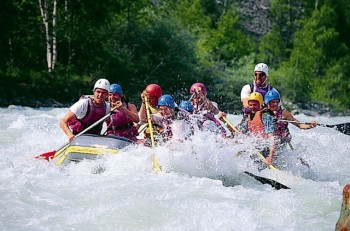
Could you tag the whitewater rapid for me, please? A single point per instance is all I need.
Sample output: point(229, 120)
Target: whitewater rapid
point(188, 194)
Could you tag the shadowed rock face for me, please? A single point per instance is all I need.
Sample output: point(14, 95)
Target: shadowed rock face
point(254, 16)
point(343, 223)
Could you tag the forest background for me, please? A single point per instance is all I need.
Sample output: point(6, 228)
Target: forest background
point(52, 51)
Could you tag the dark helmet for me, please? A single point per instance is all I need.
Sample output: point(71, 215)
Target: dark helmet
point(166, 100)
point(117, 89)
point(186, 105)
point(154, 90)
point(200, 86)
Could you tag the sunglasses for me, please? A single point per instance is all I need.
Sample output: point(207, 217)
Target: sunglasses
point(259, 74)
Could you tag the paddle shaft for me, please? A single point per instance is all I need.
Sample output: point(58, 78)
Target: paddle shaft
point(343, 127)
point(322, 125)
point(265, 180)
point(148, 113)
point(191, 98)
point(270, 165)
point(63, 147)
point(230, 124)
point(156, 165)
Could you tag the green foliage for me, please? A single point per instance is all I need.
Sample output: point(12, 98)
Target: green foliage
point(272, 49)
point(335, 86)
point(175, 43)
point(230, 83)
point(228, 41)
point(316, 47)
point(156, 51)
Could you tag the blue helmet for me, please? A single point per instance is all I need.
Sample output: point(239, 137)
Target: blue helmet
point(117, 89)
point(166, 100)
point(186, 105)
point(271, 95)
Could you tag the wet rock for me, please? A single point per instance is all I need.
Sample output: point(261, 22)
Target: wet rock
point(343, 223)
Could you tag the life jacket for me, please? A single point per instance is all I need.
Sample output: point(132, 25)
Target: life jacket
point(92, 115)
point(254, 88)
point(120, 125)
point(282, 127)
point(262, 91)
point(255, 124)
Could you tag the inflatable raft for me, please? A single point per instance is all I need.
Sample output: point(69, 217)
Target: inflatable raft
point(90, 147)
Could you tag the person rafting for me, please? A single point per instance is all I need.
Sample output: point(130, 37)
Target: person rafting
point(152, 92)
point(260, 123)
point(184, 110)
point(186, 105)
point(121, 122)
point(87, 111)
point(272, 101)
point(171, 122)
point(206, 109)
point(164, 118)
point(261, 73)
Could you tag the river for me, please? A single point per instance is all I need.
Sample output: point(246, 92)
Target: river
point(188, 195)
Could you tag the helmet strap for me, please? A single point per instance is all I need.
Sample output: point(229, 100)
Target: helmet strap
point(264, 84)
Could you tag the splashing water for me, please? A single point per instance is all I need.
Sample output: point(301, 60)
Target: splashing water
point(188, 195)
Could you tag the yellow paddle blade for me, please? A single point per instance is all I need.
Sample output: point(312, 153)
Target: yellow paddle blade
point(59, 152)
point(155, 164)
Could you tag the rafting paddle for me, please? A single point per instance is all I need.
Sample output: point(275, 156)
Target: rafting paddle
point(343, 128)
point(229, 124)
point(261, 179)
point(265, 180)
point(156, 165)
point(49, 155)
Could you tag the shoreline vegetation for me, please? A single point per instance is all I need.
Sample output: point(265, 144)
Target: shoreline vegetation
point(52, 52)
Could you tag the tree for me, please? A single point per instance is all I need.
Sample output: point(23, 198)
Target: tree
point(316, 49)
point(48, 15)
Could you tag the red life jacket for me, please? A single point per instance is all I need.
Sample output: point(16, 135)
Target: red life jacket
point(256, 126)
point(92, 115)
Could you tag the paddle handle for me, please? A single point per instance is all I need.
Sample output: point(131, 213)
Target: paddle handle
point(270, 165)
point(148, 113)
point(191, 98)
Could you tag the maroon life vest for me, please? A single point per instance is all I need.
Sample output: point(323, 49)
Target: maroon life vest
point(92, 115)
point(282, 127)
point(120, 125)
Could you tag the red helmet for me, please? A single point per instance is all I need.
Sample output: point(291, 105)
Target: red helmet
point(154, 90)
point(198, 85)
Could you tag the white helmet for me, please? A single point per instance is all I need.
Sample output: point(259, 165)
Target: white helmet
point(102, 84)
point(262, 67)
